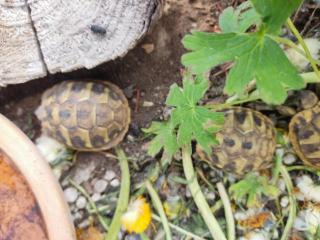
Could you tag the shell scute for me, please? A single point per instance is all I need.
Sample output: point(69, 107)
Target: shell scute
point(83, 115)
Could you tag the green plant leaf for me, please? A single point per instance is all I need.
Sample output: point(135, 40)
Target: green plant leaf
point(275, 12)
point(165, 138)
point(193, 121)
point(239, 19)
point(251, 188)
point(256, 56)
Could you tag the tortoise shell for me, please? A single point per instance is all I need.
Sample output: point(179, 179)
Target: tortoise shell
point(304, 133)
point(86, 116)
point(247, 142)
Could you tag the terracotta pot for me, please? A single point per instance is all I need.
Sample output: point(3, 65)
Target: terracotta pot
point(37, 173)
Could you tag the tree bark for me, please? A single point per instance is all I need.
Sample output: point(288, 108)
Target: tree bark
point(48, 36)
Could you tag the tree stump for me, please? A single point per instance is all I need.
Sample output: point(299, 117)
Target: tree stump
point(38, 37)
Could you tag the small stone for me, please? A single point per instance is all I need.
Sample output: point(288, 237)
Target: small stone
point(284, 201)
point(84, 224)
point(100, 186)
point(96, 197)
point(210, 196)
point(77, 216)
point(109, 175)
point(289, 158)
point(147, 104)
point(188, 193)
point(81, 202)
point(281, 185)
point(148, 47)
point(115, 183)
point(71, 194)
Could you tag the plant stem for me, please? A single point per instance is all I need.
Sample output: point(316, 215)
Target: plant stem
point(210, 220)
point(289, 43)
point(227, 211)
point(292, 200)
point(305, 168)
point(123, 199)
point(236, 102)
point(179, 229)
point(295, 31)
point(310, 77)
point(91, 203)
point(158, 205)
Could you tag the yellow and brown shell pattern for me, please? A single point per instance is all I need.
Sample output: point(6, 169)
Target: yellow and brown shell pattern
point(88, 116)
point(304, 133)
point(247, 142)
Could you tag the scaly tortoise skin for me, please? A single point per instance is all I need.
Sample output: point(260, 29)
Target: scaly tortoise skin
point(304, 134)
point(247, 142)
point(86, 116)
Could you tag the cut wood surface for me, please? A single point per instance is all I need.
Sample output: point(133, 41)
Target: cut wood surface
point(48, 36)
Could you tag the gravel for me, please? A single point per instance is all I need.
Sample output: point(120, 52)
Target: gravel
point(100, 186)
point(71, 194)
point(81, 202)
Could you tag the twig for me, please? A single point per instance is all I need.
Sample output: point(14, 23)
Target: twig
point(309, 21)
point(227, 211)
point(123, 196)
point(292, 201)
point(179, 229)
point(210, 220)
point(158, 205)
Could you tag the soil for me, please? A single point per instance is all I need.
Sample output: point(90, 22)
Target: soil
point(145, 73)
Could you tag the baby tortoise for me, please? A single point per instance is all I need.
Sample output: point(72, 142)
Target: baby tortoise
point(247, 142)
point(304, 131)
point(86, 116)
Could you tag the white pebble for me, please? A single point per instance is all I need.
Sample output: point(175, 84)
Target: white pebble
point(77, 216)
point(147, 104)
point(100, 186)
point(109, 175)
point(81, 202)
point(71, 194)
point(188, 193)
point(289, 158)
point(96, 197)
point(115, 182)
point(281, 185)
point(84, 224)
point(210, 196)
point(284, 201)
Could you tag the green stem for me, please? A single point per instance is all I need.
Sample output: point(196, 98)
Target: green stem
point(179, 229)
point(210, 220)
point(289, 43)
point(91, 203)
point(292, 201)
point(304, 46)
point(123, 199)
point(236, 102)
point(310, 77)
point(158, 205)
point(227, 211)
point(304, 168)
point(276, 168)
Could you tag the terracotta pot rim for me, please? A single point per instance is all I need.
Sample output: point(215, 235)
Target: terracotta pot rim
point(44, 185)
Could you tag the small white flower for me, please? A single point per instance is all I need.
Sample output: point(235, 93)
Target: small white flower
point(309, 190)
point(308, 220)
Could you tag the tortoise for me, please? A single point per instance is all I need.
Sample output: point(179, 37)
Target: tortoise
point(85, 116)
point(247, 142)
point(304, 131)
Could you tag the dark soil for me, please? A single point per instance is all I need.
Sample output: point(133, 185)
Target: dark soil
point(143, 76)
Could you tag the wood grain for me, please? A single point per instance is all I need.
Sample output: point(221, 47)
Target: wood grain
point(59, 36)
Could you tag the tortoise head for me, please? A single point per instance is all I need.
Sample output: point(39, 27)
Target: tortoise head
point(40, 113)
